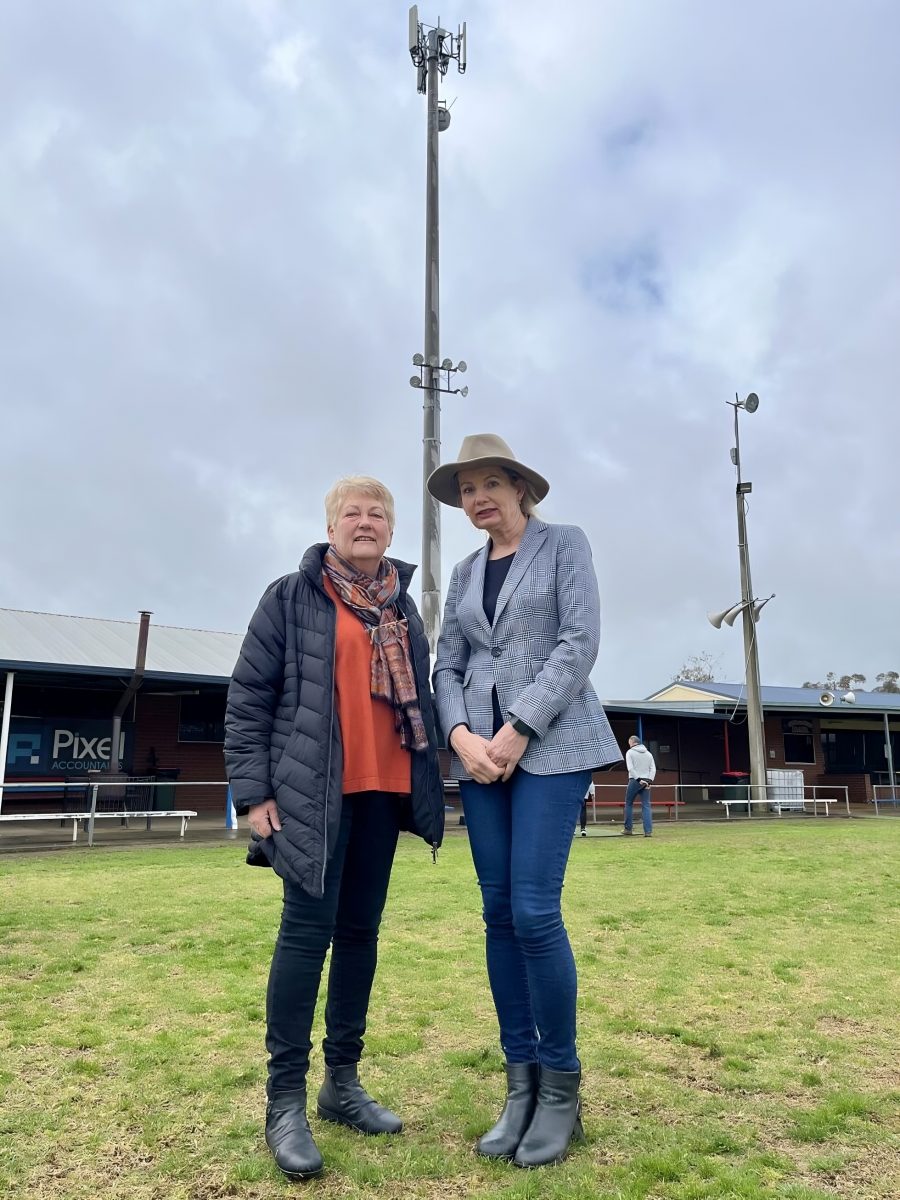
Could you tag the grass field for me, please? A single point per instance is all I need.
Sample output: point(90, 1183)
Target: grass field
point(738, 1023)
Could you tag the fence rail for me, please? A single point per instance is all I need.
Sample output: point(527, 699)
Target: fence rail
point(890, 794)
point(119, 793)
point(780, 798)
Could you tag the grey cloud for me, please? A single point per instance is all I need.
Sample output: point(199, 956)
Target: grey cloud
point(211, 233)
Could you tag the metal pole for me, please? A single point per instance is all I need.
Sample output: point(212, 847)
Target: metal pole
point(94, 789)
point(751, 655)
point(4, 728)
point(129, 694)
point(727, 748)
point(889, 751)
point(755, 733)
point(431, 437)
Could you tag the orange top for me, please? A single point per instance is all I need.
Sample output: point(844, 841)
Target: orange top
point(374, 760)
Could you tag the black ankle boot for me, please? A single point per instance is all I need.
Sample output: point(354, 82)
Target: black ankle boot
point(556, 1120)
point(521, 1097)
point(344, 1100)
point(288, 1135)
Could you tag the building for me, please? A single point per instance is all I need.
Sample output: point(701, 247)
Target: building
point(63, 678)
point(697, 732)
point(64, 675)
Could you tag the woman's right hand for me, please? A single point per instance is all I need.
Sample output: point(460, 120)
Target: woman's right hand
point(473, 755)
point(264, 818)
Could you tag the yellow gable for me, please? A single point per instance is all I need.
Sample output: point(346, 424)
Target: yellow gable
point(684, 692)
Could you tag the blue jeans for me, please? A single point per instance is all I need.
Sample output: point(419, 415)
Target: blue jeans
point(520, 834)
point(646, 816)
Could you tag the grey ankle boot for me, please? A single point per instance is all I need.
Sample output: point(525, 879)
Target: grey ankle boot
point(556, 1121)
point(288, 1135)
point(521, 1096)
point(344, 1100)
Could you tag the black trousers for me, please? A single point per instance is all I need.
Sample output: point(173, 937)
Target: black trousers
point(348, 918)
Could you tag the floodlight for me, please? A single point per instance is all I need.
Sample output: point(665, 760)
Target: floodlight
point(464, 391)
point(447, 364)
point(418, 360)
point(751, 404)
point(432, 361)
point(415, 381)
point(461, 365)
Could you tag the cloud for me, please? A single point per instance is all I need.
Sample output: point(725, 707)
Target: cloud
point(212, 234)
point(287, 61)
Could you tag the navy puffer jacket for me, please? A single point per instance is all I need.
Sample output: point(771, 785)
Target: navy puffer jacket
point(282, 735)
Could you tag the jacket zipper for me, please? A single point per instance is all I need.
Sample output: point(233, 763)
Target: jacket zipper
point(412, 655)
point(330, 741)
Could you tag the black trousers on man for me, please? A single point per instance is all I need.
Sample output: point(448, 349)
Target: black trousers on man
point(347, 918)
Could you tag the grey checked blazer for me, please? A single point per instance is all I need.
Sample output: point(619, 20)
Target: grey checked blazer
point(538, 653)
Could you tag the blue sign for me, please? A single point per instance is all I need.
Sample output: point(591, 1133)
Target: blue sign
point(64, 745)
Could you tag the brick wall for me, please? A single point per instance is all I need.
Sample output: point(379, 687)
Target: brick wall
point(157, 727)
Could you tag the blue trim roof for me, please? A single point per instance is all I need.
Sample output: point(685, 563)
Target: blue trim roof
point(791, 697)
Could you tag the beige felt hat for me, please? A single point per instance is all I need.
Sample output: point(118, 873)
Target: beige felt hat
point(481, 450)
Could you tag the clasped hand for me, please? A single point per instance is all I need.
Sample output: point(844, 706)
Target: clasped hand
point(487, 761)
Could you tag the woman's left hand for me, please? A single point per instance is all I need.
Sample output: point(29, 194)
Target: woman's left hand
point(506, 748)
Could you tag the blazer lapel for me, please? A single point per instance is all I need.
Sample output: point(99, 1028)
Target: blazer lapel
point(476, 588)
point(533, 538)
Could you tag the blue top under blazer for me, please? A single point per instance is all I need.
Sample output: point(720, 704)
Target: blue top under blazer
point(538, 653)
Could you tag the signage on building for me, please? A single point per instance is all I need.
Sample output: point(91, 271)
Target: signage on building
point(797, 726)
point(64, 746)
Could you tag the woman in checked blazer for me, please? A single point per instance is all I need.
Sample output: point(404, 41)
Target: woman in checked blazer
point(520, 635)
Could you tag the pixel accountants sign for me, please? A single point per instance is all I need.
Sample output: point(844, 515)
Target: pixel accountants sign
point(66, 746)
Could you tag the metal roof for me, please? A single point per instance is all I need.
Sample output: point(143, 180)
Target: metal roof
point(41, 642)
point(662, 708)
point(787, 697)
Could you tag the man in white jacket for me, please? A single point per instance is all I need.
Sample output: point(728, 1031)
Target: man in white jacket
point(641, 773)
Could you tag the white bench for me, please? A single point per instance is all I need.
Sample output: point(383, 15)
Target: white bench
point(788, 806)
point(184, 814)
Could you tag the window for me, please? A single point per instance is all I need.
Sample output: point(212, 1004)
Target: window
point(845, 752)
point(202, 718)
point(799, 746)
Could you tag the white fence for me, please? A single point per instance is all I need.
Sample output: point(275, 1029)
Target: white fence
point(887, 795)
point(126, 798)
point(812, 798)
point(778, 799)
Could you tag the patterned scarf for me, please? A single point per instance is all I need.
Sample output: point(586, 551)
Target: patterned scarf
point(374, 602)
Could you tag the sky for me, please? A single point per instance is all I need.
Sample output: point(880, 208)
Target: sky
point(212, 266)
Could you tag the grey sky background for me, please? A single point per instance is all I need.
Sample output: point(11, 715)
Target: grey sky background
point(211, 243)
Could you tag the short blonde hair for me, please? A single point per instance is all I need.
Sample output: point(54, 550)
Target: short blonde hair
point(364, 485)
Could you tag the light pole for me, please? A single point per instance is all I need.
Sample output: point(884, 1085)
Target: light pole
point(749, 608)
point(431, 49)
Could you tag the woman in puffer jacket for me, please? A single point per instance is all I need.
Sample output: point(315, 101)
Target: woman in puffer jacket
point(330, 746)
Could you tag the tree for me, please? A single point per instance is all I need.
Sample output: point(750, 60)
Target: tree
point(699, 668)
point(838, 683)
point(887, 682)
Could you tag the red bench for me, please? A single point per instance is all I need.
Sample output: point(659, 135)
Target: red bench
point(654, 803)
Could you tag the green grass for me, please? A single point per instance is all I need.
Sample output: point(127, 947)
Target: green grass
point(738, 1023)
